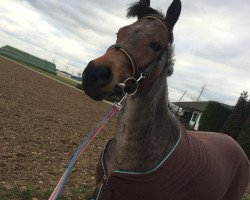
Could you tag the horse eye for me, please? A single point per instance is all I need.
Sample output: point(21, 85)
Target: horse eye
point(155, 46)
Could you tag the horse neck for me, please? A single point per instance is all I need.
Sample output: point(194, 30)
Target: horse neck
point(145, 128)
point(147, 115)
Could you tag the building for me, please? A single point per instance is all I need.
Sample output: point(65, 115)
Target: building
point(191, 112)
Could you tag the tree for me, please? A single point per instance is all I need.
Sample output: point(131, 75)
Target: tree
point(235, 120)
point(214, 117)
point(244, 138)
point(247, 113)
point(246, 128)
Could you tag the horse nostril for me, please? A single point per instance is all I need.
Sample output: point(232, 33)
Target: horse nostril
point(103, 75)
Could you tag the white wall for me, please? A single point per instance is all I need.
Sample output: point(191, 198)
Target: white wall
point(195, 121)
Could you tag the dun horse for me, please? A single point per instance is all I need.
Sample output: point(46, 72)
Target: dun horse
point(151, 156)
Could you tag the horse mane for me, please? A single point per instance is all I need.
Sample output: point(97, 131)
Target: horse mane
point(141, 9)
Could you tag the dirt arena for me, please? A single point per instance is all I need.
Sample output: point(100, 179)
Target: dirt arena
point(42, 122)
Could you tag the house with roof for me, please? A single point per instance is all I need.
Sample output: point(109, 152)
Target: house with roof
point(190, 112)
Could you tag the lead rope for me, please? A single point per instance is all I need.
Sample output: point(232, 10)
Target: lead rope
point(129, 87)
point(82, 147)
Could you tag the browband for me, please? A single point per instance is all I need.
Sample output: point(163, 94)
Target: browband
point(160, 19)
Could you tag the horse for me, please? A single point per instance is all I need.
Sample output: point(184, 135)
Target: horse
point(151, 155)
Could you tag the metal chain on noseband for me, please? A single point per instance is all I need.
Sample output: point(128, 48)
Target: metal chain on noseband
point(131, 84)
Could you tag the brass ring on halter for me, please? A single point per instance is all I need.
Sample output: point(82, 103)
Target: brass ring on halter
point(129, 86)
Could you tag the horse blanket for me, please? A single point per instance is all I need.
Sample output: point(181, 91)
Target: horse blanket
point(203, 166)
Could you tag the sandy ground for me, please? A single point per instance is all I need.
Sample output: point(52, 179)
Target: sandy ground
point(42, 122)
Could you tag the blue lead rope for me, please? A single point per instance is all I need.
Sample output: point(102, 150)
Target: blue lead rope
point(82, 147)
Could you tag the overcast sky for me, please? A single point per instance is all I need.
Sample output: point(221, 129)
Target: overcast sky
point(212, 39)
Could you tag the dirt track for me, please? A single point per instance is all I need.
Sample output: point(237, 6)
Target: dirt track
point(42, 122)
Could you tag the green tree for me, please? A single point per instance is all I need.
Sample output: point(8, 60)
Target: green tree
point(244, 138)
point(235, 120)
point(214, 117)
point(247, 113)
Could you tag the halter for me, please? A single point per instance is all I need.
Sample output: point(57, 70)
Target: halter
point(130, 85)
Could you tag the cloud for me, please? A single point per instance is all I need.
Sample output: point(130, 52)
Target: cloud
point(212, 47)
point(211, 39)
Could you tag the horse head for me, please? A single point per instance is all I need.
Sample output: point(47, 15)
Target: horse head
point(146, 42)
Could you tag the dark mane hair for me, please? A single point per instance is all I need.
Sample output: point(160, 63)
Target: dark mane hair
point(141, 9)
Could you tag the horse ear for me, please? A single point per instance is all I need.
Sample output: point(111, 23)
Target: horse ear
point(173, 13)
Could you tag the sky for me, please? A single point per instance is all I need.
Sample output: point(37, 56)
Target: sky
point(212, 40)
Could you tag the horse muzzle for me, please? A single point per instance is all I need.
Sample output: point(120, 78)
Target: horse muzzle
point(94, 80)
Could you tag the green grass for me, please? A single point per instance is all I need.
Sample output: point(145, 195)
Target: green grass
point(247, 195)
point(57, 77)
point(33, 193)
point(62, 79)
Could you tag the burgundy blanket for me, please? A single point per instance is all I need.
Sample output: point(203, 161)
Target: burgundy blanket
point(203, 166)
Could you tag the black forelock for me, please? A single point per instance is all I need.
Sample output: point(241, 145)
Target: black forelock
point(140, 9)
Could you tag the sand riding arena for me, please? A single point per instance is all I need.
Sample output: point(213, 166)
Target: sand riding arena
point(41, 125)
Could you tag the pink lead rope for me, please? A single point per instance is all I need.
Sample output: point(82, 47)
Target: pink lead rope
point(83, 146)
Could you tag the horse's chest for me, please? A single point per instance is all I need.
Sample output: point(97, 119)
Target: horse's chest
point(138, 157)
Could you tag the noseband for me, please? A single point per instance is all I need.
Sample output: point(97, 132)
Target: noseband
point(130, 85)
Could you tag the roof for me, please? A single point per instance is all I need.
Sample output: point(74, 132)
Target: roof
point(197, 105)
point(193, 105)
